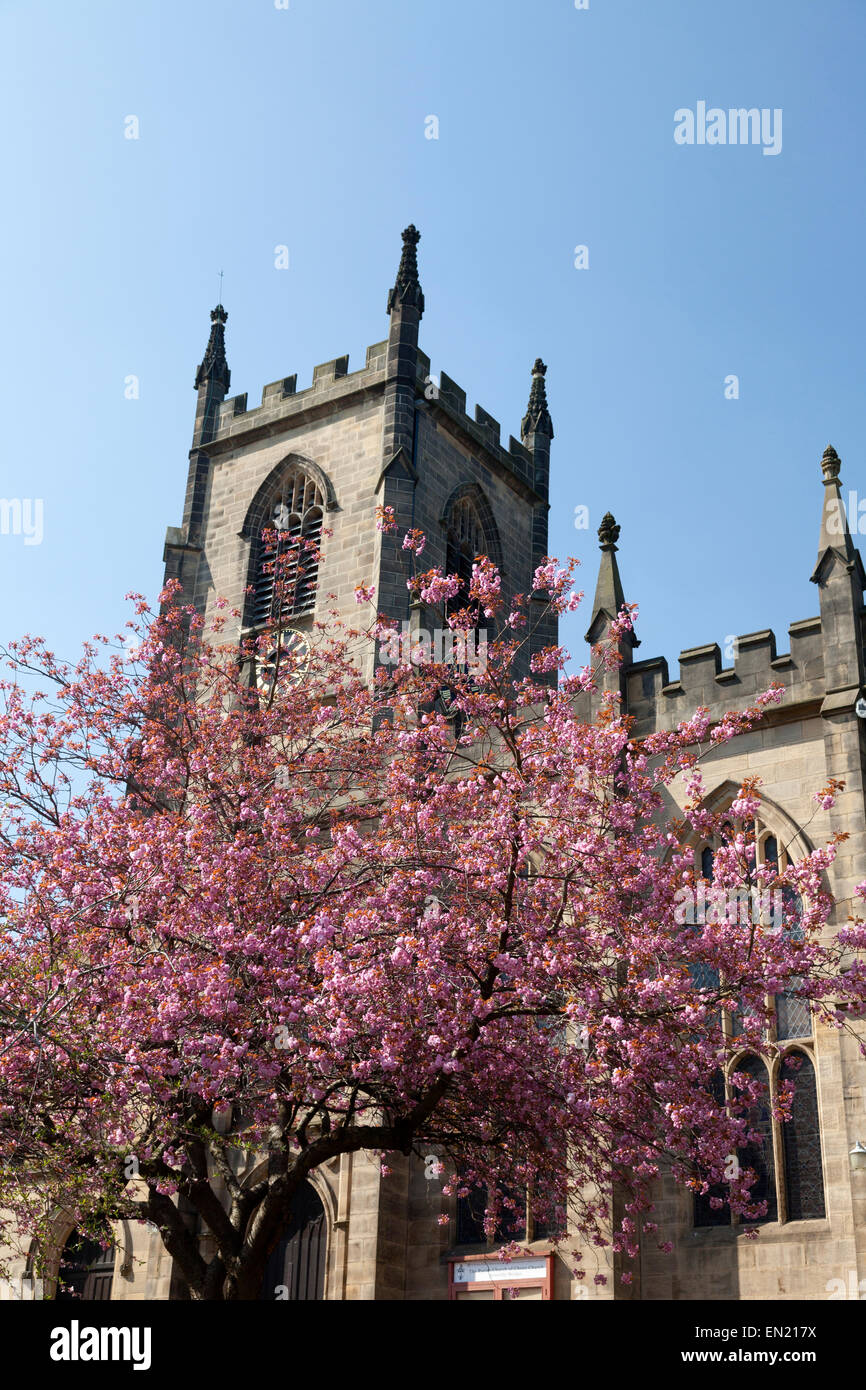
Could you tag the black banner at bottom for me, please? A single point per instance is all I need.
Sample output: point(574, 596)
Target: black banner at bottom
point(177, 1339)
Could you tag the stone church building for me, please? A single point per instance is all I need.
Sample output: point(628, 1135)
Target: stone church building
point(388, 434)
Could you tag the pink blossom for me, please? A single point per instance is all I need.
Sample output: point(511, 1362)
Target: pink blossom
point(382, 911)
point(414, 540)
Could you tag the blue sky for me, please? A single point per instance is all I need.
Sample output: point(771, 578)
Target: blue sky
point(306, 127)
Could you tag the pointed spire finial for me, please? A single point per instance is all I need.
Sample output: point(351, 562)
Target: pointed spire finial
point(609, 597)
point(835, 535)
point(537, 418)
point(608, 532)
point(831, 464)
point(407, 289)
point(214, 366)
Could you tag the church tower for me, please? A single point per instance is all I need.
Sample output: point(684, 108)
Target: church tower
point(316, 463)
point(320, 461)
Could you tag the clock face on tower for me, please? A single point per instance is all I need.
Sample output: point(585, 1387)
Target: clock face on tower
point(285, 666)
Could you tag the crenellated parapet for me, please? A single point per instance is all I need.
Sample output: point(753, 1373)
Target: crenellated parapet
point(333, 387)
point(448, 406)
point(657, 702)
point(822, 671)
point(284, 406)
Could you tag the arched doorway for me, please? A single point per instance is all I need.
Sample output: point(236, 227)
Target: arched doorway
point(86, 1271)
point(296, 1268)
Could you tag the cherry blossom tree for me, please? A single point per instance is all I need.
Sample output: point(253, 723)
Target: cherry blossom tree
point(268, 904)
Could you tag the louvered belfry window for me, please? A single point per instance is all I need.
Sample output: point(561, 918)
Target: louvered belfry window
point(465, 541)
point(293, 526)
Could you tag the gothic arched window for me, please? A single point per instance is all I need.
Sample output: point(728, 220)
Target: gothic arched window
point(778, 908)
point(804, 1171)
point(759, 1154)
point(703, 975)
point(705, 1213)
point(786, 1156)
point(286, 568)
point(791, 1178)
point(465, 540)
point(793, 1015)
point(470, 531)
